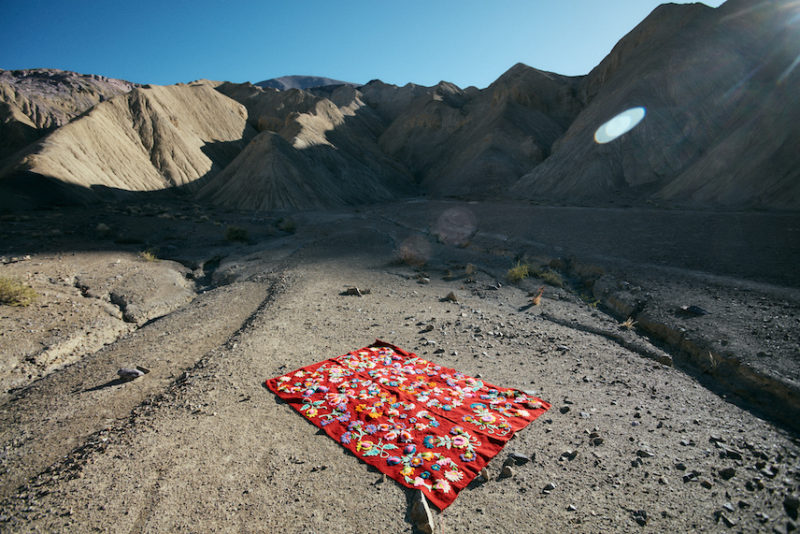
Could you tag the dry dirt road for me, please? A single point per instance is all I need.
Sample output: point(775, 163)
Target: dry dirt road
point(199, 445)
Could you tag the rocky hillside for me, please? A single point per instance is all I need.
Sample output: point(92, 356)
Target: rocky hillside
point(722, 125)
point(36, 101)
point(151, 138)
point(721, 129)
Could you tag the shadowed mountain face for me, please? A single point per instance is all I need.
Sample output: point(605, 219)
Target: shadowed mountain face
point(717, 89)
point(721, 125)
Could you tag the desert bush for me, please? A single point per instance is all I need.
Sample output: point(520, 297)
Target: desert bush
point(148, 255)
point(237, 233)
point(550, 277)
point(15, 293)
point(518, 272)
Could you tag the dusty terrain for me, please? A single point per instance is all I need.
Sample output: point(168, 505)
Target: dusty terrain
point(696, 431)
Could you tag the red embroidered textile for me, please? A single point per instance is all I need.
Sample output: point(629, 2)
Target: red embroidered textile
point(425, 425)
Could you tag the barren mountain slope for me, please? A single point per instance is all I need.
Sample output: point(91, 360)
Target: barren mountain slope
point(312, 151)
point(35, 101)
point(720, 117)
point(475, 143)
point(152, 138)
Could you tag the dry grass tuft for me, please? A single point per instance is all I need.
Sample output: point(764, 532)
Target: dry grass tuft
point(15, 293)
point(518, 272)
point(148, 255)
point(550, 277)
point(628, 323)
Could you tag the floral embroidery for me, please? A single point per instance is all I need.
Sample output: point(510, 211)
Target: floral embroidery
point(486, 420)
point(426, 426)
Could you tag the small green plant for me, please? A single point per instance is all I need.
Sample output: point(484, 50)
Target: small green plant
point(148, 255)
point(518, 272)
point(15, 293)
point(237, 233)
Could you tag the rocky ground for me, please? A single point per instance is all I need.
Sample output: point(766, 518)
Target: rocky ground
point(681, 421)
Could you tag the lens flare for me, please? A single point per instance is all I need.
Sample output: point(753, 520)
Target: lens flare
point(619, 125)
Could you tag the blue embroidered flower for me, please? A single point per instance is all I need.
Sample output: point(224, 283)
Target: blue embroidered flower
point(425, 475)
point(371, 429)
point(428, 442)
point(346, 438)
point(436, 467)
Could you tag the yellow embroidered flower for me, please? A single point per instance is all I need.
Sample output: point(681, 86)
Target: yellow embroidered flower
point(364, 445)
point(407, 470)
point(312, 412)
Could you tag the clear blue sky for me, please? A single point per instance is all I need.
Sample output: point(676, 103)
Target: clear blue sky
point(469, 42)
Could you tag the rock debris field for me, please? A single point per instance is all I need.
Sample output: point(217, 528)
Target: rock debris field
point(670, 358)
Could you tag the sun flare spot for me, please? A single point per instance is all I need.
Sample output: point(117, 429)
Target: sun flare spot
point(619, 125)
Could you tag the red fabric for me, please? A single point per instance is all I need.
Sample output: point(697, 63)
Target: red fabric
point(424, 425)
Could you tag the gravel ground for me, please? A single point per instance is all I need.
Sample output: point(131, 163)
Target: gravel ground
point(632, 443)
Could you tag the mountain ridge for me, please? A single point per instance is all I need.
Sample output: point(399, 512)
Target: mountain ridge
point(720, 130)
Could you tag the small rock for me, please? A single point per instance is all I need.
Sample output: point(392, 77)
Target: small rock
point(571, 508)
point(641, 453)
point(564, 409)
point(640, 516)
point(426, 328)
point(354, 291)
point(569, 454)
point(727, 473)
point(450, 297)
point(680, 466)
point(550, 486)
point(729, 507)
point(421, 514)
point(507, 472)
point(127, 373)
point(485, 474)
point(518, 458)
point(706, 483)
point(791, 504)
point(728, 522)
point(585, 415)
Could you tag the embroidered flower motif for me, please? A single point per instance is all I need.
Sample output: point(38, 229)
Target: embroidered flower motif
point(428, 442)
point(393, 460)
point(442, 485)
point(364, 445)
point(453, 475)
point(410, 449)
point(406, 437)
point(460, 442)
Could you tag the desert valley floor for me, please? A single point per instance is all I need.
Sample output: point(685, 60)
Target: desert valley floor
point(696, 412)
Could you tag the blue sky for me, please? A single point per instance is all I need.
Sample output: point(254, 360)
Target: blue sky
point(469, 42)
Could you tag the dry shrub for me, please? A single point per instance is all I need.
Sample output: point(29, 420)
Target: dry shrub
point(148, 255)
point(15, 293)
point(518, 272)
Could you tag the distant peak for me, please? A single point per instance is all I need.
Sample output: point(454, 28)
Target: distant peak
point(298, 81)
